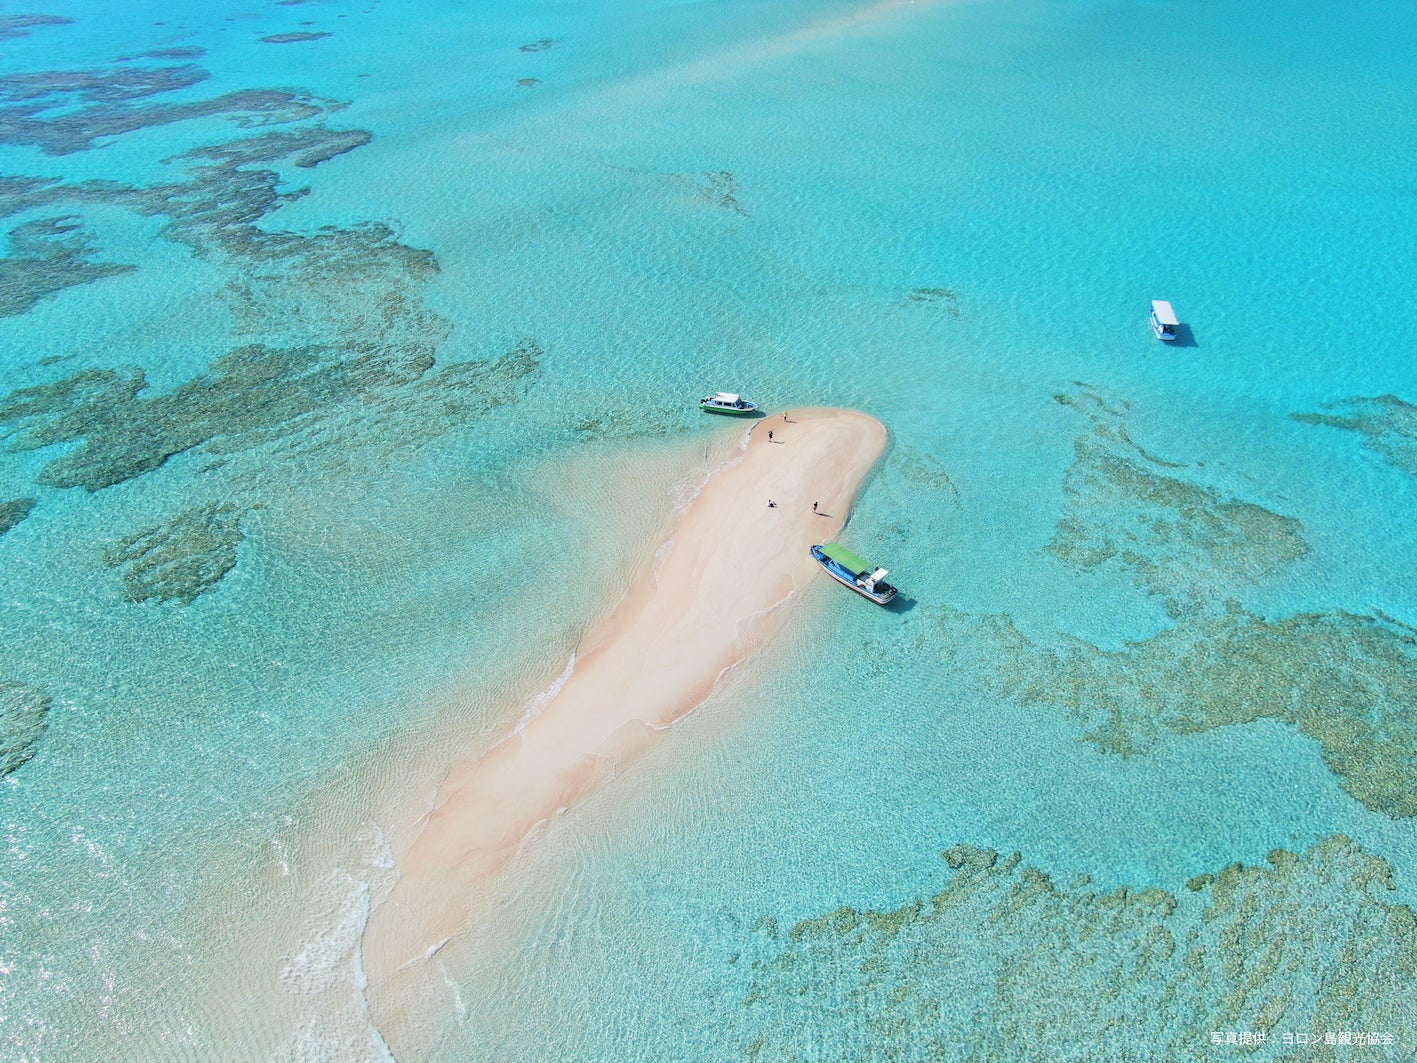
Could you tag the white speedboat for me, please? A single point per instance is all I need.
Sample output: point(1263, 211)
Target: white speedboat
point(1163, 320)
point(729, 403)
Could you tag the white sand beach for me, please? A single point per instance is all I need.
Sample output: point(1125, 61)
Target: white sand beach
point(722, 586)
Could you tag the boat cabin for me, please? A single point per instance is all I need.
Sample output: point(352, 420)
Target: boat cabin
point(872, 581)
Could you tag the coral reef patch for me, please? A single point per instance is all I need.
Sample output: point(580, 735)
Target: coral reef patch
point(1005, 965)
point(12, 26)
point(46, 256)
point(923, 470)
point(1386, 424)
point(365, 356)
point(295, 38)
point(941, 296)
point(625, 421)
point(182, 559)
point(306, 148)
point(168, 54)
point(14, 511)
point(332, 355)
point(1349, 682)
point(1185, 542)
point(249, 397)
point(720, 188)
point(24, 711)
point(66, 111)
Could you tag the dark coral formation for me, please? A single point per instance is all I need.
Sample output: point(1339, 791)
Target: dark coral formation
point(24, 711)
point(528, 83)
point(1387, 425)
point(14, 511)
point(334, 350)
point(625, 421)
point(720, 188)
point(169, 54)
point(46, 256)
point(182, 559)
point(306, 147)
point(1184, 542)
point(66, 89)
point(294, 38)
point(353, 295)
point(925, 471)
point(91, 406)
point(1005, 965)
point(1349, 682)
point(942, 296)
point(249, 397)
point(12, 26)
point(65, 111)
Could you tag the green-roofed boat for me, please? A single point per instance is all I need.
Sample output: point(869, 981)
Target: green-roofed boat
point(854, 571)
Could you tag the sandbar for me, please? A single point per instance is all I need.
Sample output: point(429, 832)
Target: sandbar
point(722, 585)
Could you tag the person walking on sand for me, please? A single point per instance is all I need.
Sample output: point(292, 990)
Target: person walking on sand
point(769, 435)
point(814, 507)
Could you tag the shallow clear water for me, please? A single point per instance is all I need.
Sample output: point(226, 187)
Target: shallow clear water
point(415, 399)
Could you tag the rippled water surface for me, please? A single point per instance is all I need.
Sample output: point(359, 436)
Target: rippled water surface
point(347, 362)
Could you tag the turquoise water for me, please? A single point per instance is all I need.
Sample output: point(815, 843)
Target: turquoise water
point(417, 305)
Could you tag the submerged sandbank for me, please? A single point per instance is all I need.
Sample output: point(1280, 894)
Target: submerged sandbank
point(721, 587)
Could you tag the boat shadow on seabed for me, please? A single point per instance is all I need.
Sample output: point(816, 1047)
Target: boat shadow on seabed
point(1185, 337)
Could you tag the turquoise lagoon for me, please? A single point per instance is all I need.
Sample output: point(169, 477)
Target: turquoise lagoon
point(347, 352)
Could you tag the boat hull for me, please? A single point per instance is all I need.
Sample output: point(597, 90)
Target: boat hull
point(750, 410)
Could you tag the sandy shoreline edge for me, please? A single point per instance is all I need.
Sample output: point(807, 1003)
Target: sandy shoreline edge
point(722, 588)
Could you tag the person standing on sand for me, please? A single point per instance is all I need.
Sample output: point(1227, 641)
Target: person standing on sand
point(814, 507)
point(769, 435)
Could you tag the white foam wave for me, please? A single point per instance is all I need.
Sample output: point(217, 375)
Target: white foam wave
point(682, 495)
point(536, 704)
point(745, 623)
point(662, 554)
point(327, 971)
point(752, 618)
point(428, 954)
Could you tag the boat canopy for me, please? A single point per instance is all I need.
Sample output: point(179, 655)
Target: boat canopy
point(727, 397)
point(846, 559)
point(1164, 314)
